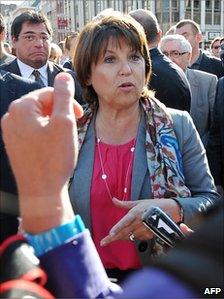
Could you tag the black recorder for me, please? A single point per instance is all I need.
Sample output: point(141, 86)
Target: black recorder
point(162, 226)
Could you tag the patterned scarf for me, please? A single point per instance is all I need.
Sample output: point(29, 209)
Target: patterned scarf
point(164, 159)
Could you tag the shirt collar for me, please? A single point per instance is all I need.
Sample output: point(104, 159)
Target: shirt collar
point(26, 71)
point(198, 61)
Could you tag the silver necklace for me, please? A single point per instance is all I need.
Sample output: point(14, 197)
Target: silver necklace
point(104, 176)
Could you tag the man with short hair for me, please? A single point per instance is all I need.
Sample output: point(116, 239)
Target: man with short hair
point(168, 80)
point(199, 60)
point(31, 35)
point(203, 85)
point(4, 55)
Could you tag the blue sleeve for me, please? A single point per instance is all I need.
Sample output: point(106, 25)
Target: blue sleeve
point(75, 270)
point(155, 283)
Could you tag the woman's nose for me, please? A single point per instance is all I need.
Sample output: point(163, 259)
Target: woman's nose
point(125, 68)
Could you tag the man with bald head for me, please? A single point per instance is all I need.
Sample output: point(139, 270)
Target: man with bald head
point(168, 80)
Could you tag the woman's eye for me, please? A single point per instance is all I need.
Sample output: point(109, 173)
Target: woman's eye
point(135, 57)
point(109, 59)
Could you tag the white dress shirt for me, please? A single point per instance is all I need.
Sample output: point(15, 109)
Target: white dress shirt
point(26, 72)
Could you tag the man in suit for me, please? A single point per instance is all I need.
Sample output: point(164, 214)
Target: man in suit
point(168, 80)
point(199, 60)
point(203, 85)
point(31, 35)
point(215, 148)
point(11, 88)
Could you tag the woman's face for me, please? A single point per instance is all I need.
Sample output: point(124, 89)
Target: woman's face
point(119, 75)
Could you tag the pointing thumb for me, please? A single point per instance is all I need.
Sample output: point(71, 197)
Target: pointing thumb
point(64, 90)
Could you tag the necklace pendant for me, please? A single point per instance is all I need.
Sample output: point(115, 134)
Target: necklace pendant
point(104, 176)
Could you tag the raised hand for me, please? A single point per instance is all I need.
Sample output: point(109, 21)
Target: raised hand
point(40, 136)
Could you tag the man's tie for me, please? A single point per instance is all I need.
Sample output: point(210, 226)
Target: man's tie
point(38, 79)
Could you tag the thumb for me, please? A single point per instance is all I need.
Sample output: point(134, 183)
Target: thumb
point(63, 94)
point(185, 229)
point(124, 204)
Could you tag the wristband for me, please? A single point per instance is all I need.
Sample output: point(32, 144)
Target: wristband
point(56, 236)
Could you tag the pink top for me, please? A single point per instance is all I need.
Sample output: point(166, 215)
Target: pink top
point(116, 160)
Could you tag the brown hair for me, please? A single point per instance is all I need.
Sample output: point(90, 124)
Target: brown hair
point(218, 38)
point(148, 21)
point(93, 41)
point(195, 27)
point(69, 38)
point(32, 17)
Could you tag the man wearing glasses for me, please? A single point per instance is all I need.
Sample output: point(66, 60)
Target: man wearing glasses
point(31, 35)
point(203, 85)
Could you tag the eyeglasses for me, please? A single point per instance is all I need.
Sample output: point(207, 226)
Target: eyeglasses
point(216, 47)
point(174, 54)
point(34, 37)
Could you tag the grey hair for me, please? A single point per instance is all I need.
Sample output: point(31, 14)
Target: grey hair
point(185, 46)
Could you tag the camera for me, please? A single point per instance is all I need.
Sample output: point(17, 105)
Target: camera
point(165, 229)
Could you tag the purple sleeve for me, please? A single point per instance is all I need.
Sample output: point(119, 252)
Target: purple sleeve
point(155, 283)
point(75, 270)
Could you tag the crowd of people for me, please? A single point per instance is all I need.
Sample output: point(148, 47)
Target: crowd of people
point(119, 119)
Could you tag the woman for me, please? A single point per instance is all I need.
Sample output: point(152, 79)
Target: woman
point(131, 146)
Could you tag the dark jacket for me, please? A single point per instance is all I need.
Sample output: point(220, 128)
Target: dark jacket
point(169, 82)
point(212, 65)
point(12, 87)
point(53, 70)
point(68, 65)
point(215, 148)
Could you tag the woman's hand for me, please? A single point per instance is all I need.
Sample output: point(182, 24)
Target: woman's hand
point(131, 223)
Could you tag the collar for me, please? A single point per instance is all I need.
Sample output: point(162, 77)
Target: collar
point(26, 71)
point(198, 61)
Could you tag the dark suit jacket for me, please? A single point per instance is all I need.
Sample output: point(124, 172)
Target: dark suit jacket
point(169, 82)
point(215, 148)
point(12, 87)
point(53, 70)
point(211, 65)
point(68, 65)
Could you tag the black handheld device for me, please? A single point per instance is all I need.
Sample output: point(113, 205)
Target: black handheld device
point(162, 226)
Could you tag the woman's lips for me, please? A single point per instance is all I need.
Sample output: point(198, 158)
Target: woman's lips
point(127, 86)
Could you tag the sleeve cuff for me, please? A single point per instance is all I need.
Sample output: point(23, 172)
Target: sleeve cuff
point(56, 236)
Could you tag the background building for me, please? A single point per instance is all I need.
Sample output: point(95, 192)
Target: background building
point(72, 15)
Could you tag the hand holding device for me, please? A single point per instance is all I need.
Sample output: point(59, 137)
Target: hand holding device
point(162, 226)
